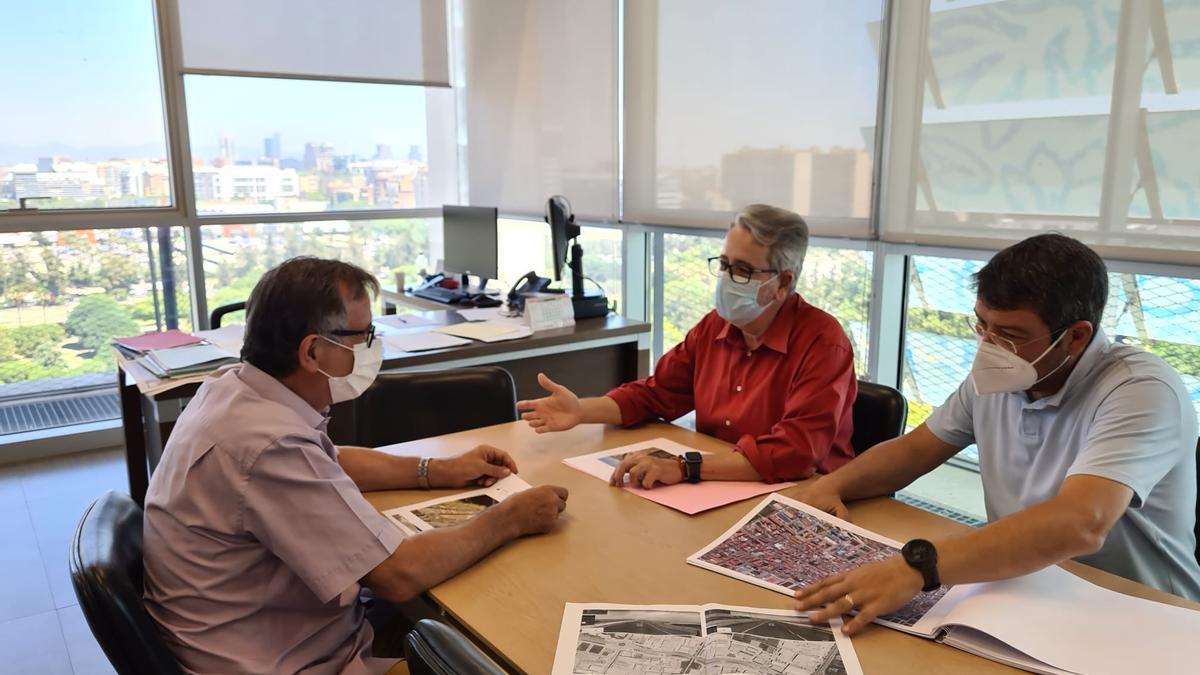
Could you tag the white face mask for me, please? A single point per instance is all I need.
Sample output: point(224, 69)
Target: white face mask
point(999, 371)
point(367, 361)
point(738, 303)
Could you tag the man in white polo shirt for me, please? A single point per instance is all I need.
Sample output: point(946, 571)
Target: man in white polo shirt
point(1087, 449)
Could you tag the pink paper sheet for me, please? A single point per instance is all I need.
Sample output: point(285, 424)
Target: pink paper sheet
point(694, 498)
point(158, 340)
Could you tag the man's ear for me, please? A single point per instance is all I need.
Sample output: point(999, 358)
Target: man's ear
point(785, 285)
point(1080, 334)
point(306, 353)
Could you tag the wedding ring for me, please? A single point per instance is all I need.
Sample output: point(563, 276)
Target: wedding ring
point(849, 600)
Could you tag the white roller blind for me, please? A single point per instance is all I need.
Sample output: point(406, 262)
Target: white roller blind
point(1014, 118)
point(729, 103)
point(541, 104)
point(373, 40)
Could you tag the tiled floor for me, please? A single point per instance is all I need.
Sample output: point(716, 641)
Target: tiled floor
point(41, 627)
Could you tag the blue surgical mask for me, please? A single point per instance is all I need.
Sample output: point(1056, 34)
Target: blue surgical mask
point(738, 303)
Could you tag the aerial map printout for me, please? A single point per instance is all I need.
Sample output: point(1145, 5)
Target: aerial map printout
point(785, 545)
point(701, 640)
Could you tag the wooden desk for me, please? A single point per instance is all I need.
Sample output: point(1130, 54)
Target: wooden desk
point(590, 357)
point(612, 546)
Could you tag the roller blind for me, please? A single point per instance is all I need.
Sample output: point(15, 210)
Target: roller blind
point(729, 103)
point(541, 104)
point(401, 41)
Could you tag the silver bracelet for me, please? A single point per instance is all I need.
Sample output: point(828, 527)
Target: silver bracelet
point(423, 474)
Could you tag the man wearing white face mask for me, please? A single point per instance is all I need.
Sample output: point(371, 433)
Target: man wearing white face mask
point(766, 372)
point(1087, 449)
point(257, 538)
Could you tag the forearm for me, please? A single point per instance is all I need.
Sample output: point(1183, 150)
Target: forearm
point(429, 558)
point(374, 470)
point(1024, 542)
point(599, 410)
point(889, 466)
point(728, 466)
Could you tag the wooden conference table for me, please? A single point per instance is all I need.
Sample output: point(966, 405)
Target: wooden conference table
point(590, 357)
point(612, 546)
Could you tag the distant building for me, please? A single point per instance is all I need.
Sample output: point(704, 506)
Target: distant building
point(383, 151)
point(271, 147)
point(239, 182)
point(318, 157)
point(414, 153)
point(228, 150)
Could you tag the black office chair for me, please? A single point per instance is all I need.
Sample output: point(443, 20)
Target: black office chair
point(106, 570)
point(1196, 528)
point(879, 415)
point(433, 648)
point(403, 407)
point(214, 319)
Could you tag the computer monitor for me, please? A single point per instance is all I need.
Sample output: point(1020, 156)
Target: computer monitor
point(563, 229)
point(469, 237)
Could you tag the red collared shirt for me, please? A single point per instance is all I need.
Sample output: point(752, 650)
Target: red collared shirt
point(785, 405)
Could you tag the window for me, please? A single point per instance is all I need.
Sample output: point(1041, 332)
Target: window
point(835, 280)
point(1047, 115)
point(63, 297)
point(1158, 313)
point(298, 145)
point(83, 112)
point(771, 102)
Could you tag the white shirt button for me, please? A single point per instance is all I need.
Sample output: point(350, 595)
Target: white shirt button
point(739, 387)
point(749, 353)
point(727, 422)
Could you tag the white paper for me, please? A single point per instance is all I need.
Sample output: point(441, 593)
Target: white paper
point(454, 509)
point(784, 545)
point(485, 331)
point(229, 338)
point(634, 639)
point(404, 321)
point(1072, 624)
point(601, 464)
point(493, 314)
point(420, 342)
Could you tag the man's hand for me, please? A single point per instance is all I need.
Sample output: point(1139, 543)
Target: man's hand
point(557, 412)
point(534, 511)
point(481, 466)
point(874, 589)
point(825, 498)
point(646, 471)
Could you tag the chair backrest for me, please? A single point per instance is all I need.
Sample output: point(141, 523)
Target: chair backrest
point(879, 415)
point(433, 648)
point(403, 407)
point(105, 560)
point(214, 319)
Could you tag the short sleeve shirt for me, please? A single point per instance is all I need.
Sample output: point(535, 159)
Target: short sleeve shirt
point(1124, 415)
point(256, 539)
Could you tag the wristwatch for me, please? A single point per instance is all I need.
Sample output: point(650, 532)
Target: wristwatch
point(691, 466)
point(922, 556)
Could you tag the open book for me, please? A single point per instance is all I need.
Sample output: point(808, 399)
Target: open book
point(1047, 622)
point(700, 639)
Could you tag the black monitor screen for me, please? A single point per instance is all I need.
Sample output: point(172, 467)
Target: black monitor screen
point(469, 235)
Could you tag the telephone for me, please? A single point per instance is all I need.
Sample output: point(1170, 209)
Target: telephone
point(527, 285)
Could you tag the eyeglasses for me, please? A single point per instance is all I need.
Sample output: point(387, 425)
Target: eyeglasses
point(368, 333)
point(738, 273)
point(1000, 341)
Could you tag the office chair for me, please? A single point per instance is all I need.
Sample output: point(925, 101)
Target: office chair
point(433, 648)
point(214, 320)
point(105, 560)
point(1196, 527)
point(403, 407)
point(879, 414)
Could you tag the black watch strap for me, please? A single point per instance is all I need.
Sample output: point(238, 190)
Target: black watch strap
point(921, 555)
point(691, 463)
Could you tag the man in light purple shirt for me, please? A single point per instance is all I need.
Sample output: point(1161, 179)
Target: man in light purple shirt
point(257, 535)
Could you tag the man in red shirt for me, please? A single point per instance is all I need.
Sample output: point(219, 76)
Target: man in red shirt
point(765, 371)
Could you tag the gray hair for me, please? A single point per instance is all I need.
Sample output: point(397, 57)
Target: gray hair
point(783, 231)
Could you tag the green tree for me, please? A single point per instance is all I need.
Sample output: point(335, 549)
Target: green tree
point(117, 273)
point(8, 345)
point(27, 339)
point(49, 356)
point(97, 319)
point(53, 280)
point(16, 277)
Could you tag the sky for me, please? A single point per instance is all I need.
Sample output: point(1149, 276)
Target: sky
point(87, 72)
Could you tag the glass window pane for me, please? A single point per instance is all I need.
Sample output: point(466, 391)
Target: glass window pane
point(82, 124)
point(732, 123)
point(63, 297)
point(1155, 312)
point(524, 246)
point(297, 145)
point(835, 280)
